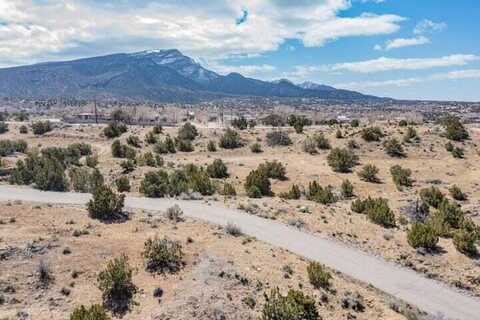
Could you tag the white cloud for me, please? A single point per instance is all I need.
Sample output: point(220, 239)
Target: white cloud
point(389, 64)
point(428, 26)
point(452, 75)
point(403, 42)
point(35, 30)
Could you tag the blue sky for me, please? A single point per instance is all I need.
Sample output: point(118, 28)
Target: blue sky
point(413, 49)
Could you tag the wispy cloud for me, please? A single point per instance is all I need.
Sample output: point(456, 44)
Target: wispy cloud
point(452, 75)
point(403, 42)
point(389, 64)
point(428, 26)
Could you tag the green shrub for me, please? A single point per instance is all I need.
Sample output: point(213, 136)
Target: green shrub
point(355, 123)
point(151, 138)
point(401, 177)
point(457, 152)
point(452, 213)
point(346, 189)
point(381, 214)
point(322, 141)
point(464, 242)
point(211, 146)
point(217, 169)
point(23, 129)
point(95, 312)
point(394, 148)
point(84, 149)
point(318, 275)
point(3, 127)
point(278, 138)
point(410, 135)
point(230, 140)
point(377, 210)
point(166, 146)
point(187, 132)
point(454, 129)
point(403, 123)
point(323, 195)
point(163, 255)
point(338, 134)
point(274, 120)
point(128, 165)
point(91, 161)
point(342, 160)
point(240, 123)
point(41, 127)
point(96, 180)
point(273, 169)
point(116, 285)
point(257, 184)
point(457, 193)
point(432, 196)
point(228, 190)
point(106, 205)
point(9, 147)
point(292, 194)
point(372, 134)
point(155, 184)
point(449, 146)
point(134, 141)
point(114, 129)
point(184, 145)
point(294, 306)
point(79, 179)
point(352, 144)
point(49, 175)
point(358, 206)
point(123, 184)
point(422, 235)
point(199, 181)
point(120, 150)
point(368, 173)
point(310, 145)
point(256, 148)
point(157, 129)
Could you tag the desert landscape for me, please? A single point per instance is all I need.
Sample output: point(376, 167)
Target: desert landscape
point(224, 274)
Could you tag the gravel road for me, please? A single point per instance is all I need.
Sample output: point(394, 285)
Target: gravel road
point(427, 294)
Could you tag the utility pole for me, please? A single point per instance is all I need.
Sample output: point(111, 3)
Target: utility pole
point(95, 110)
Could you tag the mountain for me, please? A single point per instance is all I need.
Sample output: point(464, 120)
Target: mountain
point(315, 86)
point(154, 75)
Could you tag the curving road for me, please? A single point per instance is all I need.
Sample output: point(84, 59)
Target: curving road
point(427, 294)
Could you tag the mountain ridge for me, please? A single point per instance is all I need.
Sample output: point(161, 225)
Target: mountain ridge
point(164, 75)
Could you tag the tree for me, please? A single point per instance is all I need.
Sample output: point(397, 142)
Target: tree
point(401, 177)
point(278, 138)
point(323, 195)
point(240, 123)
point(273, 169)
point(380, 213)
point(41, 127)
point(3, 127)
point(155, 184)
point(257, 184)
point(187, 132)
point(123, 184)
point(114, 130)
point(116, 285)
point(106, 205)
point(454, 129)
point(422, 235)
point(230, 140)
point(217, 169)
point(49, 175)
point(342, 160)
